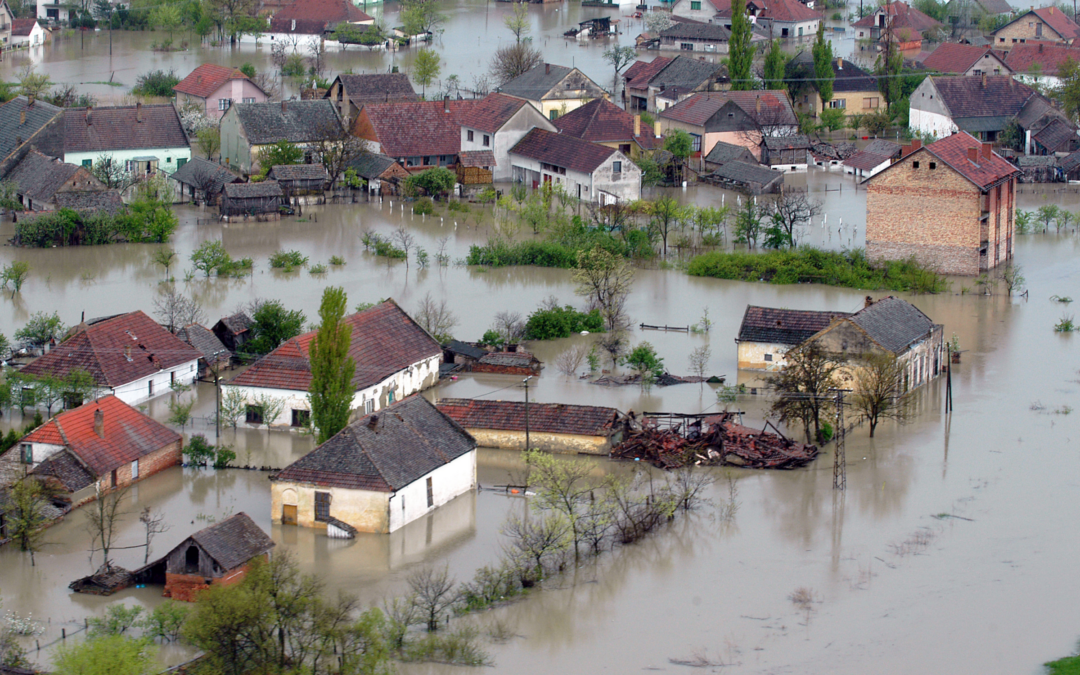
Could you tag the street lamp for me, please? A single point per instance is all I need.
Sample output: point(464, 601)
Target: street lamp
point(526, 383)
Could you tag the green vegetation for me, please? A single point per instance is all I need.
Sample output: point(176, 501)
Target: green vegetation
point(381, 246)
point(337, 260)
point(559, 322)
point(273, 324)
point(156, 83)
point(144, 221)
point(331, 390)
point(107, 655)
point(435, 183)
point(1066, 324)
point(424, 206)
point(1070, 665)
point(286, 261)
point(212, 258)
point(849, 269)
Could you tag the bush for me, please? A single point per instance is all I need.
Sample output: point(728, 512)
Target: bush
point(287, 260)
point(144, 221)
point(156, 83)
point(560, 322)
point(424, 207)
point(458, 207)
point(198, 451)
point(491, 338)
point(337, 260)
point(223, 457)
point(318, 268)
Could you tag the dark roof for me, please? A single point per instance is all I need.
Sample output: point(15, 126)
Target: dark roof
point(384, 340)
point(40, 177)
point(880, 146)
point(684, 72)
point(745, 173)
point(266, 188)
point(204, 175)
point(726, 152)
point(12, 132)
point(1049, 58)
point(783, 326)
point(116, 351)
point(22, 27)
point(371, 165)
point(995, 6)
point(203, 339)
point(384, 451)
point(865, 160)
point(601, 121)
point(377, 88)
point(517, 359)
point(984, 173)
point(536, 83)
point(315, 16)
point(234, 541)
point(64, 467)
point(418, 129)
point(1070, 162)
point(293, 121)
point(966, 96)
point(1057, 136)
point(477, 158)
point(90, 201)
point(955, 58)
point(893, 323)
point(491, 112)
point(1056, 19)
point(550, 418)
point(1036, 113)
point(465, 349)
point(208, 78)
point(793, 142)
point(698, 109)
point(561, 150)
point(127, 434)
point(236, 323)
point(849, 77)
point(697, 31)
point(299, 172)
point(638, 75)
point(118, 128)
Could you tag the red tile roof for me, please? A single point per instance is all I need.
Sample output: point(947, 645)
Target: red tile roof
point(1057, 20)
point(982, 96)
point(1049, 58)
point(699, 108)
point(905, 16)
point(955, 58)
point(561, 150)
point(22, 27)
point(783, 326)
point(127, 434)
point(116, 351)
point(384, 341)
point(983, 172)
point(491, 112)
point(638, 75)
point(326, 11)
point(206, 79)
point(418, 128)
point(601, 121)
point(551, 418)
point(788, 11)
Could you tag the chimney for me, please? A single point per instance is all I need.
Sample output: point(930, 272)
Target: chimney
point(198, 79)
point(867, 302)
point(973, 155)
point(1051, 9)
point(916, 143)
point(757, 104)
point(138, 112)
point(127, 352)
point(89, 109)
point(22, 118)
point(656, 129)
point(282, 106)
point(372, 421)
point(99, 423)
point(987, 148)
point(637, 125)
point(984, 80)
point(30, 101)
point(547, 68)
point(446, 104)
point(840, 63)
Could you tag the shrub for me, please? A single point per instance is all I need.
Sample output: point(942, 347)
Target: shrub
point(491, 338)
point(287, 260)
point(459, 207)
point(337, 260)
point(424, 206)
point(560, 322)
point(318, 268)
point(156, 83)
point(198, 450)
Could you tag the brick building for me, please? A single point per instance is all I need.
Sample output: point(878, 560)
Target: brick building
point(950, 204)
point(553, 427)
point(1043, 24)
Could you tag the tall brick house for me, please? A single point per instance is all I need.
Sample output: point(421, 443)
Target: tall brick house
point(950, 204)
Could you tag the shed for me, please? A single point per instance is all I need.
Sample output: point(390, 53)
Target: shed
point(300, 180)
point(382, 173)
point(1039, 169)
point(1070, 166)
point(722, 153)
point(474, 167)
point(786, 153)
point(215, 355)
point(201, 181)
point(508, 363)
point(462, 353)
point(261, 201)
point(553, 427)
point(749, 178)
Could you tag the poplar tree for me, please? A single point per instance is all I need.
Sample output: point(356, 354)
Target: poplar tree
point(740, 51)
point(331, 390)
point(776, 60)
point(823, 72)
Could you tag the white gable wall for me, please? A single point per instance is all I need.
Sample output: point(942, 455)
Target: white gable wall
point(447, 482)
point(139, 390)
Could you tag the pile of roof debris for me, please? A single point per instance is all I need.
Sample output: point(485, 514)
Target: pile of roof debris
point(840, 151)
point(671, 441)
point(665, 380)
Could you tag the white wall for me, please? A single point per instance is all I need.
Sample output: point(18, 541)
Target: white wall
point(928, 122)
point(168, 158)
point(41, 451)
point(447, 482)
point(139, 390)
point(521, 123)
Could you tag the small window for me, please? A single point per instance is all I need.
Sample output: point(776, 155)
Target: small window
point(301, 418)
point(768, 357)
point(150, 387)
point(469, 135)
point(430, 494)
point(254, 414)
point(369, 406)
point(27, 453)
point(933, 165)
point(224, 103)
point(249, 99)
point(695, 4)
point(88, 163)
point(552, 114)
point(487, 141)
point(624, 148)
point(687, 46)
point(322, 507)
point(915, 165)
point(616, 167)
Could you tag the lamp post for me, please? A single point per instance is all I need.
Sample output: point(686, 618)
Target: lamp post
point(526, 383)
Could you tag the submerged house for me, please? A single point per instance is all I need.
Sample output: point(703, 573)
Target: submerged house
point(201, 181)
point(261, 201)
point(378, 473)
point(553, 427)
point(234, 331)
point(508, 363)
point(766, 333)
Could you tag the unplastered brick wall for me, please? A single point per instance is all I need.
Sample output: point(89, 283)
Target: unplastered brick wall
point(156, 461)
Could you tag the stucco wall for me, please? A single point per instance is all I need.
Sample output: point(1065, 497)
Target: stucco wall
point(447, 482)
point(168, 158)
point(138, 391)
point(752, 355)
point(557, 443)
point(505, 138)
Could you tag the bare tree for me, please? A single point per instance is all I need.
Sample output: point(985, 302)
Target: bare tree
point(532, 541)
point(436, 318)
point(606, 279)
point(699, 361)
point(509, 325)
point(878, 381)
point(433, 592)
point(268, 83)
point(512, 60)
point(112, 172)
point(791, 211)
point(338, 149)
point(104, 515)
point(154, 523)
point(316, 52)
point(616, 344)
point(405, 241)
point(802, 387)
point(569, 362)
point(481, 85)
point(1013, 277)
point(175, 310)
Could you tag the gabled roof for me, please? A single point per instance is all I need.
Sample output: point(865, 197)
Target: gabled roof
point(984, 172)
point(65, 468)
point(384, 340)
point(697, 31)
point(1036, 113)
point(232, 542)
point(726, 152)
point(376, 88)
point(206, 79)
point(13, 131)
point(847, 76)
point(22, 27)
point(90, 201)
point(783, 326)
point(127, 434)
point(465, 349)
point(490, 113)
point(477, 158)
point(384, 451)
point(1041, 58)
point(684, 72)
point(548, 418)
point(793, 142)
point(562, 150)
point(115, 351)
point(236, 324)
point(638, 75)
point(1070, 162)
point(293, 121)
point(875, 154)
point(204, 175)
point(775, 109)
point(518, 359)
point(1057, 136)
point(745, 173)
point(968, 96)
point(202, 338)
point(536, 83)
point(601, 121)
point(371, 165)
point(262, 189)
point(995, 6)
point(904, 16)
point(789, 11)
point(316, 16)
point(893, 323)
point(119, 128)
point(956, 59)
point(41, 178)
point(1053, 17)
point(418, 129)
point(299, 172)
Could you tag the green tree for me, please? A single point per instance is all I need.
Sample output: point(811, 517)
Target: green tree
point(643, 360)
point(748, 223)
point(802, 387)
point(167, 18)
point(248, 69)
point(156, 83)
point(517, 22)
point(680, 145)
point(208, 140)
point(209, 256)
point(421, 16)
point(107, 655)
point(34, 84)
point(563, 486)
point(1047, 214)
point(833, 119)
point(435, 182)
point(740, 50)
point(619, 58)
point(879, 391)
point(1069, 91)
point(272, 325)
point(606, 279)
point(426, 68)
point(26, 520)
point(15, 274)
point(776, 60)
point(282, 152)
point(888, 68)
point(331, 390)
point(664, 214)
point(823, 70)
point(41, 328)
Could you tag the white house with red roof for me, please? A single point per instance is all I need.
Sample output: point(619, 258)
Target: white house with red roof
point(495, 124)
point(587, 171)
point(128, 355)
point(215, 88)
point(27, 32)
point(101, 445)
point(393, 355)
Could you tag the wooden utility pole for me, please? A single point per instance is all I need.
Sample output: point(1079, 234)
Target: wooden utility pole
point(840, 458)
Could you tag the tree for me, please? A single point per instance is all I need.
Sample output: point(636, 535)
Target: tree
point(226, 11)
point(15, 274)
point(699, 361)
point(791, 211)
point(509, 326)
point(153, 524)
point(643, 360)
point(421, 16)
point(748, 223)
point(740, 49)
point(174, 310)
point(41, 328)
point(532, 541)
point(25, 517)
point(107, 655)
point(209, 141)
point(615, 344)
point(518, 22)
point(209, 256)
point(436, 182)
point(1069, 90)
point(823, 70)
point(680, 145)
point(776, 60)
point(166, 18)
point(433, 593)
point(331, 389)
point(664, 214)
point(436, 318)
point(879, 392)
point(338, 150)
point(33, 84)
point(888, 68)
point(164, 257)
point(1047, 213)
point(619, 58)
point(426, 67)
point(655, 22)
point(802, 387)
point(1013, 277)
point(272, 324)
point(563, 486)
point(282, 152)
point(605, 278)
point(103, 516)
point(112, 172)
point(833, 119)
point(512, 60)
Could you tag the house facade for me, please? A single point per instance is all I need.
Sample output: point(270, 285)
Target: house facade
point(40, 180)
point(767, 333)
point(553, 427)
point(982, 106)
point(248, 128)
point(906, 24)
point(142, 138)
point(351, 92)
point(215, 88)
point(379, 473)
point(706, 38)
point(589, 172)
point(855, 91)
point(873, 159)
point(553, 90)
point(785, 19)
point(495, 124)
point(53, 11)
point(1042, 24)
point(741, 118)
point(1038, 64)
point(951, 205)
point(27, 33)
point(419, 135)
point(951, 58)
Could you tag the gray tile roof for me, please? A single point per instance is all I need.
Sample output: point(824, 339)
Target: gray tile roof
point(509, 359)
point(237, 323)
point(119, 128)
point(783, 326)
point(893, 323)
point(384, 451)
point(371, 165)
point(40, 177)
point(726, 152)
point(299, 172)
point(205, 341)
point(93, 201)
point(293, 121)
point(465, 349)
point(685, 72)
point(742, 172)
point(377, 88)
point(796, 142)
point(204, 175)
point(12, 131)
point(532, 85)
point(65, 468)
point(233, 541)
point(697, 31)
point(266, 188)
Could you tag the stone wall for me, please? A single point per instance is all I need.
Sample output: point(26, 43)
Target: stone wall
point(548, 442)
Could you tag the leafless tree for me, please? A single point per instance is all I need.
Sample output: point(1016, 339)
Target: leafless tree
point(401, 615)
point(616, 344)
point(436, 318)
point(569, 362)
point(268, 82)
point(606, 279)
point(878, 381)
point(687, 485)
point(433, 592)
point(792, 211)
point(112, 172)
point(481, 85)
point(338, 149)
point(104, 515)
point(509, 325)
point(316, 56)
point(175, 310)
point(512, 60)
point(404, 240)
point(154, 522)
point(699, 360)
point(531, 542)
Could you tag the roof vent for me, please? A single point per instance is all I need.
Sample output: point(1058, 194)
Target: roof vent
point(372, 421)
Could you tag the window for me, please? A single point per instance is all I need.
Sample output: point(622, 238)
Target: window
point(487, 141)
point(301, 418)
point(695, 143)
point(369, 406)
point(624, 148)
point(150, 387)
point(88, 163)
point(135, 470)
point(27, 453)
point(250, 99)
point(115, 481)
point(976, 72)
point(933, 165)
point(322, 507)
point(768, 357)
point(430, 494)
point(838, 103)
point(552, 114)
point(616, 167)
point(915, 165)
point(469, 135)
point(870, 103)
point(695, 4)
point(180, 162)
point(1003, 40)
point(224, 103)
point(686, 46)
point(254, 414)
point(168, 160)
point(426, 162)
point(390, 398)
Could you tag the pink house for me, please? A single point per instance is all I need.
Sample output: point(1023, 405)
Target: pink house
point(216, 88)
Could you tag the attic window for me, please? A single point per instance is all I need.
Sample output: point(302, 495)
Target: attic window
point(933, 165)
point(915, 165)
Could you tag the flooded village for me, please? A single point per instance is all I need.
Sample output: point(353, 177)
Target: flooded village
point(422, 336)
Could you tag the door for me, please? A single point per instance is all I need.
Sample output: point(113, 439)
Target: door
point(135, 470)
point(288, 514)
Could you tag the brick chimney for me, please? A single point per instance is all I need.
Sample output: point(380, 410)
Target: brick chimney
point(840, 63)
point(22, 117)
point(656, 129)
point(30, 101)
point(138, 112)
point(446, 104)
point(984, 80)
point(987, 148)
point(973, 155)
point(637, 125)
point(89, 109)
point(916, 143)
point(757, 104)
point(868, 301)
point(372, 421)
point(547, 68)
point(99, 423)
point(282, 106)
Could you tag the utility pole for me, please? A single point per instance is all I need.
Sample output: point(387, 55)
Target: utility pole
point(948, 379)
point(526, 383)
point(217, 413)
point(840, 458)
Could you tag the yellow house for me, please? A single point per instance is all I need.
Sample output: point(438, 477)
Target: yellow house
point(553, 427)
point(767, 333)
point(553, 90)
point(378, 473)
point(854, 90)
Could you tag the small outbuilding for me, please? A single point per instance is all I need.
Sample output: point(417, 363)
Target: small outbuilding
point(475, 167)
point(752, 179)
point(300, 180)
point(200, 181)
point(553, 427)
point(234, 331)
point(786, 153)
point(462, 353)
point(215, 356)
point(508, 363)
point(261, 201)
point(722, 153)
point(382, 173)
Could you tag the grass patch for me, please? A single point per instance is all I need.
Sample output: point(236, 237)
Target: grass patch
point(109, 84)
point(849, 269)
point(287, 260)
point(1070, 665)
point(317, 268)
point(1065, 325)
point(337, 260)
